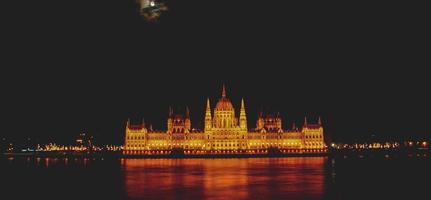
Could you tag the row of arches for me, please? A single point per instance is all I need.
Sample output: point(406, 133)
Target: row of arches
point(313, 137)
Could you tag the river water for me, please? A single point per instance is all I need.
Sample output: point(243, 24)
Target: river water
point(298, 178)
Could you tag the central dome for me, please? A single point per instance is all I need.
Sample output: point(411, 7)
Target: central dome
point(224, 103)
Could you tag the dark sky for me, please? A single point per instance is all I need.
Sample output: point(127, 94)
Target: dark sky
point(86, 66)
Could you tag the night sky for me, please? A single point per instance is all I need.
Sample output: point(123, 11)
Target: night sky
point(87, 66)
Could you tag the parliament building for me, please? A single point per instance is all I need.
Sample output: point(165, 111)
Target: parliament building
point(224, 133)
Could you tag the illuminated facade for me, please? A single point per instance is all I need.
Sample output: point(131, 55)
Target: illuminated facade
point(224, 133)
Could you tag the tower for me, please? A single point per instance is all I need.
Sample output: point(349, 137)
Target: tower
point(170, 124)
point(135, 134)
point(278, 122)
point(313, 135)
point(188, 123)
point(178, 123)
point(208, 116)
point(259, 123)
point(242, 117)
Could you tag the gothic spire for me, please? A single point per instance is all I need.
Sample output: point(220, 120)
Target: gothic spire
point(170, 112)
point(223, 94)
point(187, 112)
point(242, 116)
point(208, 116)
point(242, 103)
point(208, 110)
point(242, 112)
point(305, 121)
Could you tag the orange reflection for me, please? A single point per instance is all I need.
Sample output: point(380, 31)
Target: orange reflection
point(257, 178)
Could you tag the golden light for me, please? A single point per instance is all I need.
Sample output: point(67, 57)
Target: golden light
point(222, 134)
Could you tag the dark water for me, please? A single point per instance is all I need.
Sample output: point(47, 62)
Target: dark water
point(255, 178)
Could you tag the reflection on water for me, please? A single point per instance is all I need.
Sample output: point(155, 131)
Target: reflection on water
point(295, 178)
point(254, 178)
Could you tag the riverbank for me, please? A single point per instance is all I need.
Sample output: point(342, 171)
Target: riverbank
point(178, 155)
point(345, 153)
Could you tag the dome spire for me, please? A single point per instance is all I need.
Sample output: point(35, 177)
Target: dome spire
point(224, 103)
